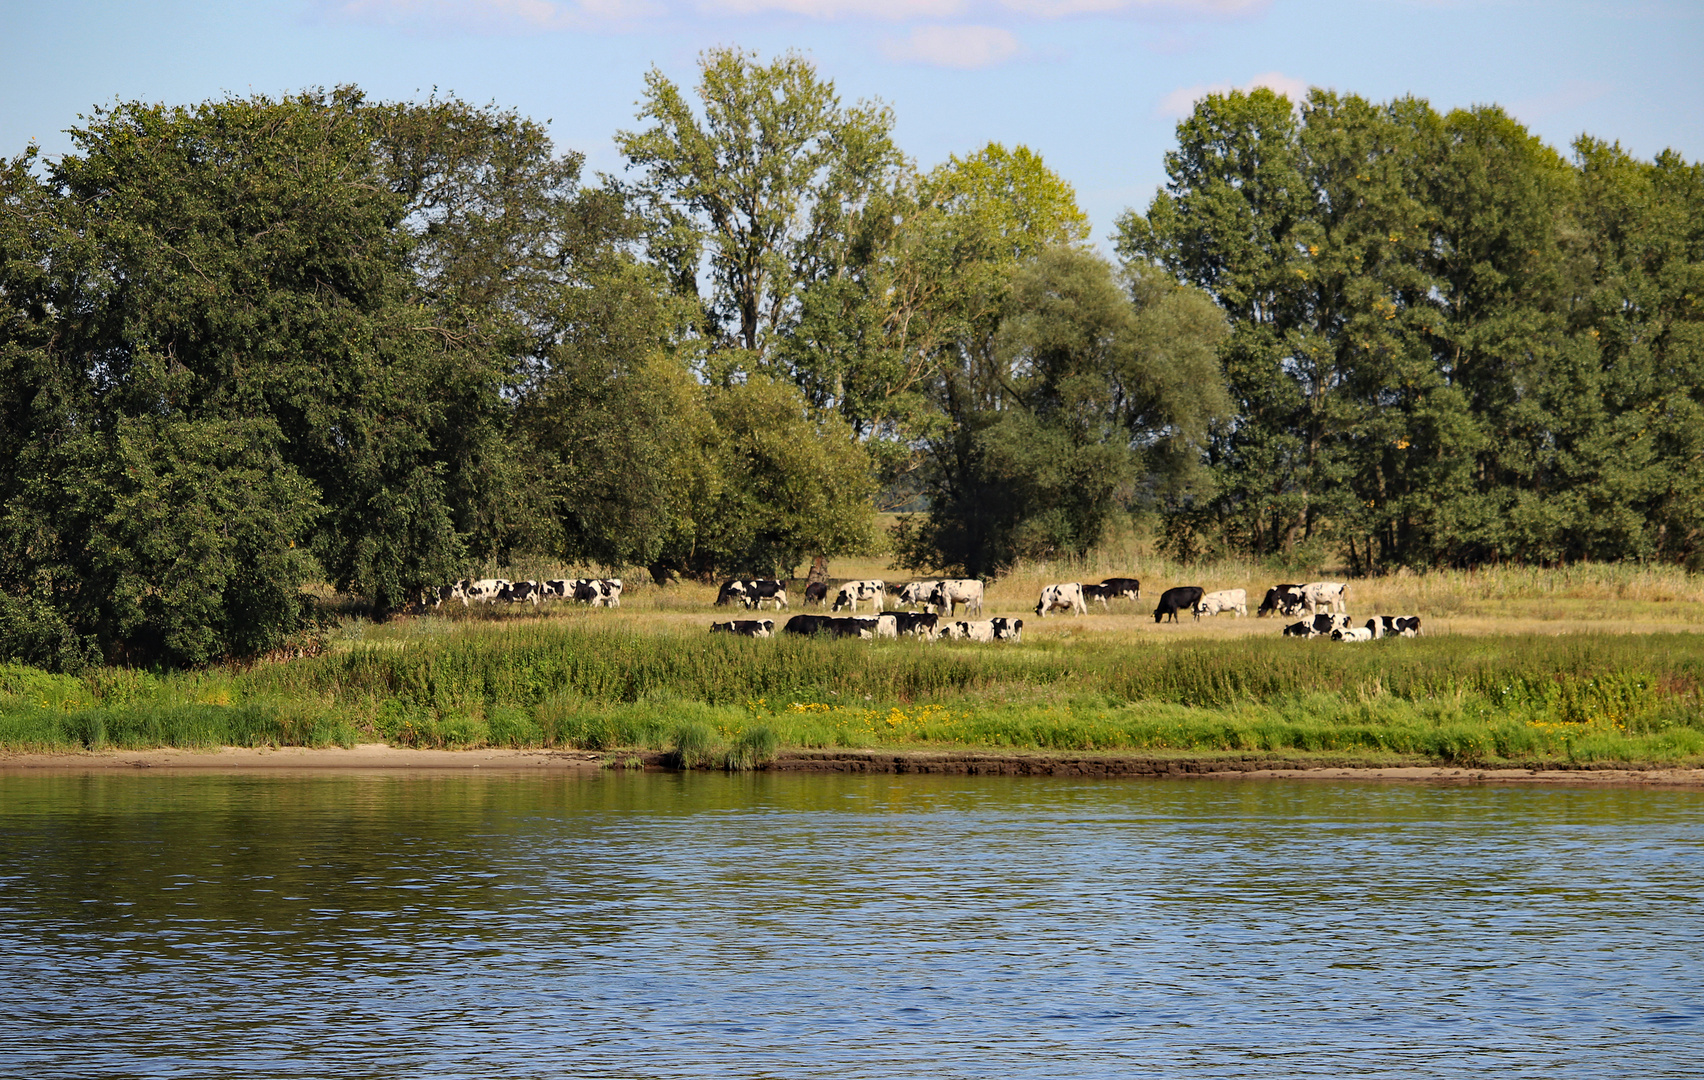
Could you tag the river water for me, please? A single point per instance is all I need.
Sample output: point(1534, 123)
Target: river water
point(633, 925)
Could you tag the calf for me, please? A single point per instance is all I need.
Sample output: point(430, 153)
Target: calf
point(1357, 634)
point(1394, 625)
point(1285, 600)
point(817, 593)
point(1066, 597)
point(1182, 598)
point(1234, 600)
point(855, 592)
point(1100, 594)
point(1127, 588)
point(915, 622)
point(1318, 594)
point(752, 628)
point(949, 593)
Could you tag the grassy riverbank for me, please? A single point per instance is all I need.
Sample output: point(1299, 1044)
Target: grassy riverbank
point(614, 685)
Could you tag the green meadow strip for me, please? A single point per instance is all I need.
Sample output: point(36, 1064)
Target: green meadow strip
point(734, 702)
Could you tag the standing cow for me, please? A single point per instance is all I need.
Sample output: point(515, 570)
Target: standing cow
point(1063, 597)
point(1126, 588)
point(1321, 594)
point(854, 593)
point(1181, 598)
point(951, 592)
point(1233, 600)
point(1284, 600)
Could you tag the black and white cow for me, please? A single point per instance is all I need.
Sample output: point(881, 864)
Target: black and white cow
point(1007, 629)
point(519, 592)
point(485, 590)
point(1181, 598)
point(853, 593)
point(752, 592)
point(1359, 633)
point(1123, 588)
point(1284, 600)
point(597, 592)
point(918, 623)
point(1066, 596)
point(915, 593)
point(949, 593)
point(752, 628)
point(1319, 625)
point(437, 594)
point(1394, 625)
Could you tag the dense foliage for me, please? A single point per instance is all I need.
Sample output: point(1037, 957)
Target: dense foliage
point(253, 343)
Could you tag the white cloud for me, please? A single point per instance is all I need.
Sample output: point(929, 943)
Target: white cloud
point(1058, 9)
point(954, 46)
point(1571, 96)
point(1181, 102)
point(889, 10)
point(489, 16)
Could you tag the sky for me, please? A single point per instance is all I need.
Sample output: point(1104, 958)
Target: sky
point(1095, 86)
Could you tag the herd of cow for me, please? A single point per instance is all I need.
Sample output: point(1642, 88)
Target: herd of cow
point(948, 595)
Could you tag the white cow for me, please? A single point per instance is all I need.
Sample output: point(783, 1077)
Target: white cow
point(951, 592)
point(855, 592)
point(1065, 597)
point(887, 626)
point(1320, 594)
point(1235, 600)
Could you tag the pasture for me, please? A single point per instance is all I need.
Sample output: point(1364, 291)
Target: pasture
point(1577, 665)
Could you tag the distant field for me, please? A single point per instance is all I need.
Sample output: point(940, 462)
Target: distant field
point(1587, 664)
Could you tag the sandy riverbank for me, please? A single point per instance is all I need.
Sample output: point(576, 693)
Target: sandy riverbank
point(378, 756)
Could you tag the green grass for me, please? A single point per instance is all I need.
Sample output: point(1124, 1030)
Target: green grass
point(734, 703)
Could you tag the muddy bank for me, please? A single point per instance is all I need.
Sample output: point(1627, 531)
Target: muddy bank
point(378, 756)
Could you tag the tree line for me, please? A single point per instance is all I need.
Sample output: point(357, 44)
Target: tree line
point(254, 343)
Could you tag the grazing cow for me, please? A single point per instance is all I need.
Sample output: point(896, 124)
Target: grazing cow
point(1100, 594)
point(611, 588)
point(752, 592)
point(517, 592)
point(1319, 594)
point(918, 623)
point(436, 595)
point(1065, 597)
point(915, 593)
point(1181, 598)
point(1234, 600)
point(1394, 625)
point(1319, 625)
point(1360, 633)
point(752, 628)
point(1007, 629)
point(1285, 600)
point(951, 592)
point(855, 592)
point(1127, 588)
point(817, 593)
point(557, 588)
point(485, 590)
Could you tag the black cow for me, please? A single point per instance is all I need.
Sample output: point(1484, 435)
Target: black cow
point(1126, 587)
point(828, 624)
point(1182, 598)
point(1285, 600)
point(805, 624)
point(921, 624)
point(753, 628)
point(817, 593)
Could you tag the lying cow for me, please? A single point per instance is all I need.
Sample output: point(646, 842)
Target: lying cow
point(949, 593)
point(1181, 598)
point(855, 592)
point(1233, 600)
point(1283, 600)
point(752, 628)
point(1007, 629)
point(752, 592)
point(918, 623)
point(1359, 633)
point(1394, 625)
point(1318, 625)
point(833, 627)
point(1319, 594)
point(1065, 597)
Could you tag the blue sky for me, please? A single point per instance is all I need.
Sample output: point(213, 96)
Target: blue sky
point(1095, 86)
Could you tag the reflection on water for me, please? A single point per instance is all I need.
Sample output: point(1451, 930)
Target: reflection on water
point(794, 926)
